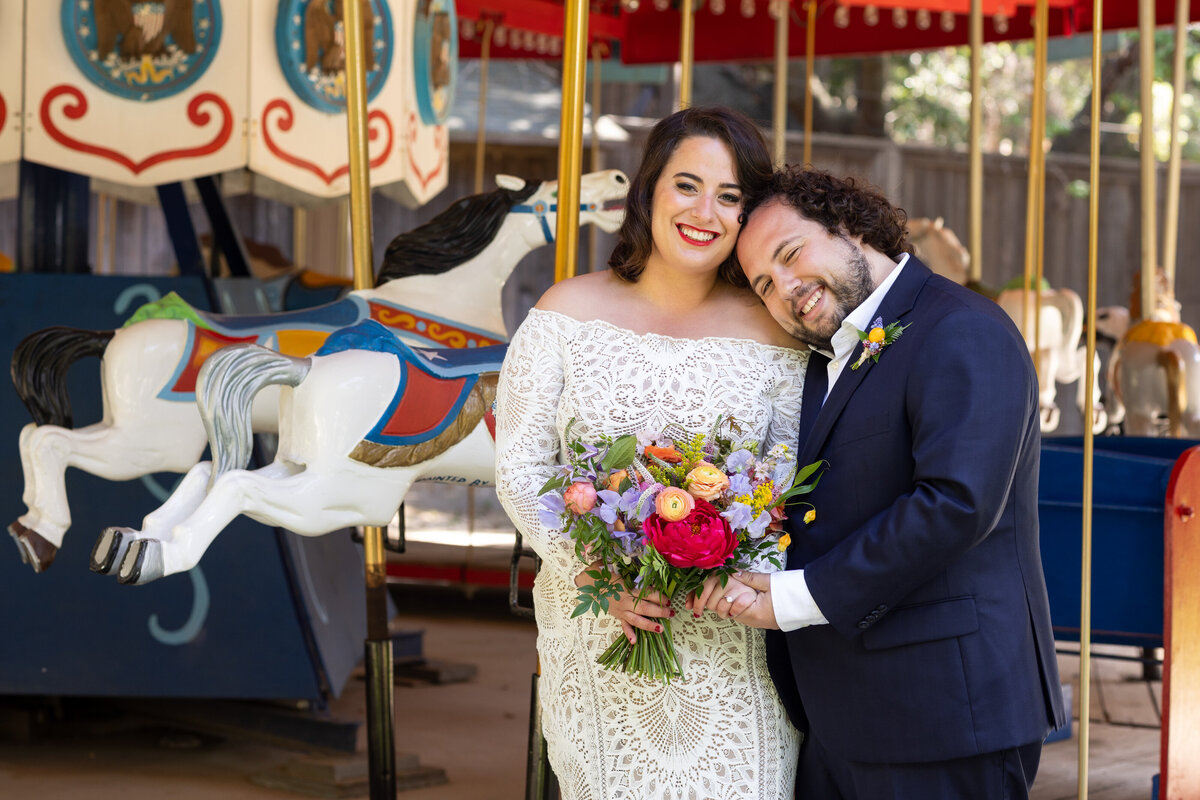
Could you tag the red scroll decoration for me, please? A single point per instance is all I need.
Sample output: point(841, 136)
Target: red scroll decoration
point(285, 125)
point(79, 108)
point(438, 134)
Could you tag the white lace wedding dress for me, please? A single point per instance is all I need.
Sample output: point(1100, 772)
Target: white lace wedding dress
point(720, 733)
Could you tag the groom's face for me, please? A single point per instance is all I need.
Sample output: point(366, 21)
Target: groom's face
point(808, 278)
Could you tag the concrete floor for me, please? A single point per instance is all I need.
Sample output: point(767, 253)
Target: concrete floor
point(475, 731)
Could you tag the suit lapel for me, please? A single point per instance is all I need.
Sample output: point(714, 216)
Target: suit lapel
point(816, 380)
point(896, 303)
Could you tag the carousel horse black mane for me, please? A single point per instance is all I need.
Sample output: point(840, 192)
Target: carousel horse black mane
point(453, 237)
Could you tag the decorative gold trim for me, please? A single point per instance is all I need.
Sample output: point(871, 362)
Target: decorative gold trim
point(386, 456)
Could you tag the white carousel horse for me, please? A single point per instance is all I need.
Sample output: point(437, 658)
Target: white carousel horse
point(439, 285)
point(939, 249)
point(390, 415)
point(1155, 370)
point(1058, 355)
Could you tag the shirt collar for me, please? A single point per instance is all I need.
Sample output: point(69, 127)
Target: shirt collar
point(846, 338)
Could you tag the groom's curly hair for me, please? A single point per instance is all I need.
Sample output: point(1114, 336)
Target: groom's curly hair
point(840, 205)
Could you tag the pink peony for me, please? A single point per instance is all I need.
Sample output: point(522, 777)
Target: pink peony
point(702, 539)
point(580, 497)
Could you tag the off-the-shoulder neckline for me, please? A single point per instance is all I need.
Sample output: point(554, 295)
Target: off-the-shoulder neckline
point(628, 331)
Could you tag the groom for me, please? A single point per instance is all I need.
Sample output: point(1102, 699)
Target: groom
point(910, 635)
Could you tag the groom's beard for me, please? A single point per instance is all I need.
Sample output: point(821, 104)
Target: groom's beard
point(851, 288)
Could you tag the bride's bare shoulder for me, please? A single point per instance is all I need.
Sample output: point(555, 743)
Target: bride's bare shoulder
point(582, 296)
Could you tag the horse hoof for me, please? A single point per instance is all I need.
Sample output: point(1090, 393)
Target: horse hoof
point(110, 548)
point(142, 562)
point(35, 550)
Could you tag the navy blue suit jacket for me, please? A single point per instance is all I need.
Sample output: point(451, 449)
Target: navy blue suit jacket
point(924, 552)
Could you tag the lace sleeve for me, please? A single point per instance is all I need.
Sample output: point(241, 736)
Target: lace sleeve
point(786, 396)
point(527, 444)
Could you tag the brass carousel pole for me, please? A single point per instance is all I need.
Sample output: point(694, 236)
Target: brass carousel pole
point(485, 52)
point(779, 116)
point(570, 149)
point(1171, 212)
point(810, 49)
point(975, 149)
point(1146, 156)
point(1031, 295)
point(598, 50)
point(687, 46)
point(1089, 382)
point(381, 749)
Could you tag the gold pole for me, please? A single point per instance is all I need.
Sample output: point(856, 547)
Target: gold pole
point(570, 149)
point(779, 127)
point(481, 134)
point(299, 237)
point(810, 49)
point(687, 38)
point(380, 726)
point(975, 169)
point(594, 232)
point(1146, 156)
point(101, 233)
point(1171, 213)
point(1089, 382)
point(1033, 210)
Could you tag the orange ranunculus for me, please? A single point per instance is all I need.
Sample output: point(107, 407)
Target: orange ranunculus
point(614, 480)
point(673, 504)
point(706, 481)
point(667, 454)
point(876, 335)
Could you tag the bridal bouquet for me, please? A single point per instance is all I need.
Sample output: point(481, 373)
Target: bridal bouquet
point(656, 512)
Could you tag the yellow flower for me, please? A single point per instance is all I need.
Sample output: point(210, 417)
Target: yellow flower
point(784, 541)
point(809, 516)
point(706, 481)
point(876, 335)
point(673, 504)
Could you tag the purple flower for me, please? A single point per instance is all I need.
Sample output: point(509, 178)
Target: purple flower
point(738, 460)
point(739, 484)
point(759, 525)
point(738, 515)
point(550, 510)
point(609, 506)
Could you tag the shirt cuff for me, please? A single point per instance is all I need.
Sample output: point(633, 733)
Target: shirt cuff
point(792, 602)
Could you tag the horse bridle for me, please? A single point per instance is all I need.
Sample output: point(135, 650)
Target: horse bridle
point(540, 210)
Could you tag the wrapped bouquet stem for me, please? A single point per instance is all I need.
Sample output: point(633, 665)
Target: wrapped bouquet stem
point(661, 512)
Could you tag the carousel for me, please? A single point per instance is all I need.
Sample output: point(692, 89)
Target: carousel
point(208, 414)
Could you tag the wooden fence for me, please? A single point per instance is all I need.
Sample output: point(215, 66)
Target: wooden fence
point(926, 182)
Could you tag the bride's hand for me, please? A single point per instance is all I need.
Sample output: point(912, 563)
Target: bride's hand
point(728, 601)
point(633, 613)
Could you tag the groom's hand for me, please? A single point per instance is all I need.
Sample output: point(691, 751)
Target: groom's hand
point(761, 613)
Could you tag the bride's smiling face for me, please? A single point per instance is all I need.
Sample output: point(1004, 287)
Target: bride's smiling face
point(695, 207)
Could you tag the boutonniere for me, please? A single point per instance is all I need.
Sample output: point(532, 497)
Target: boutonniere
point(877, 338)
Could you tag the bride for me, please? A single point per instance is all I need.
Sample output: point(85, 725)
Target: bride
point(669, 335)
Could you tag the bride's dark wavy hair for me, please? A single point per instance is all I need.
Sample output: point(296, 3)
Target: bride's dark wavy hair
point(840, 205)
point(751, 160)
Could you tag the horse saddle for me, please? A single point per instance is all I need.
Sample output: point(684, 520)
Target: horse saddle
point(434, 383)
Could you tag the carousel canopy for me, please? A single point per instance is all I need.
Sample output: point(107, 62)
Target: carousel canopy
point(647, 31)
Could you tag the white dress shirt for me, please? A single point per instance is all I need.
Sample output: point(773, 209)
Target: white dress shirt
point(790, 598)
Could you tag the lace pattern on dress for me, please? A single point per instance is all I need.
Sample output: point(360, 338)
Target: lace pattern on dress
point(721, 731)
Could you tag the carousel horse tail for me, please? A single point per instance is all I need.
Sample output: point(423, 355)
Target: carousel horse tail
point(225, 390)
point(1172, 363)
point(39, 369)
